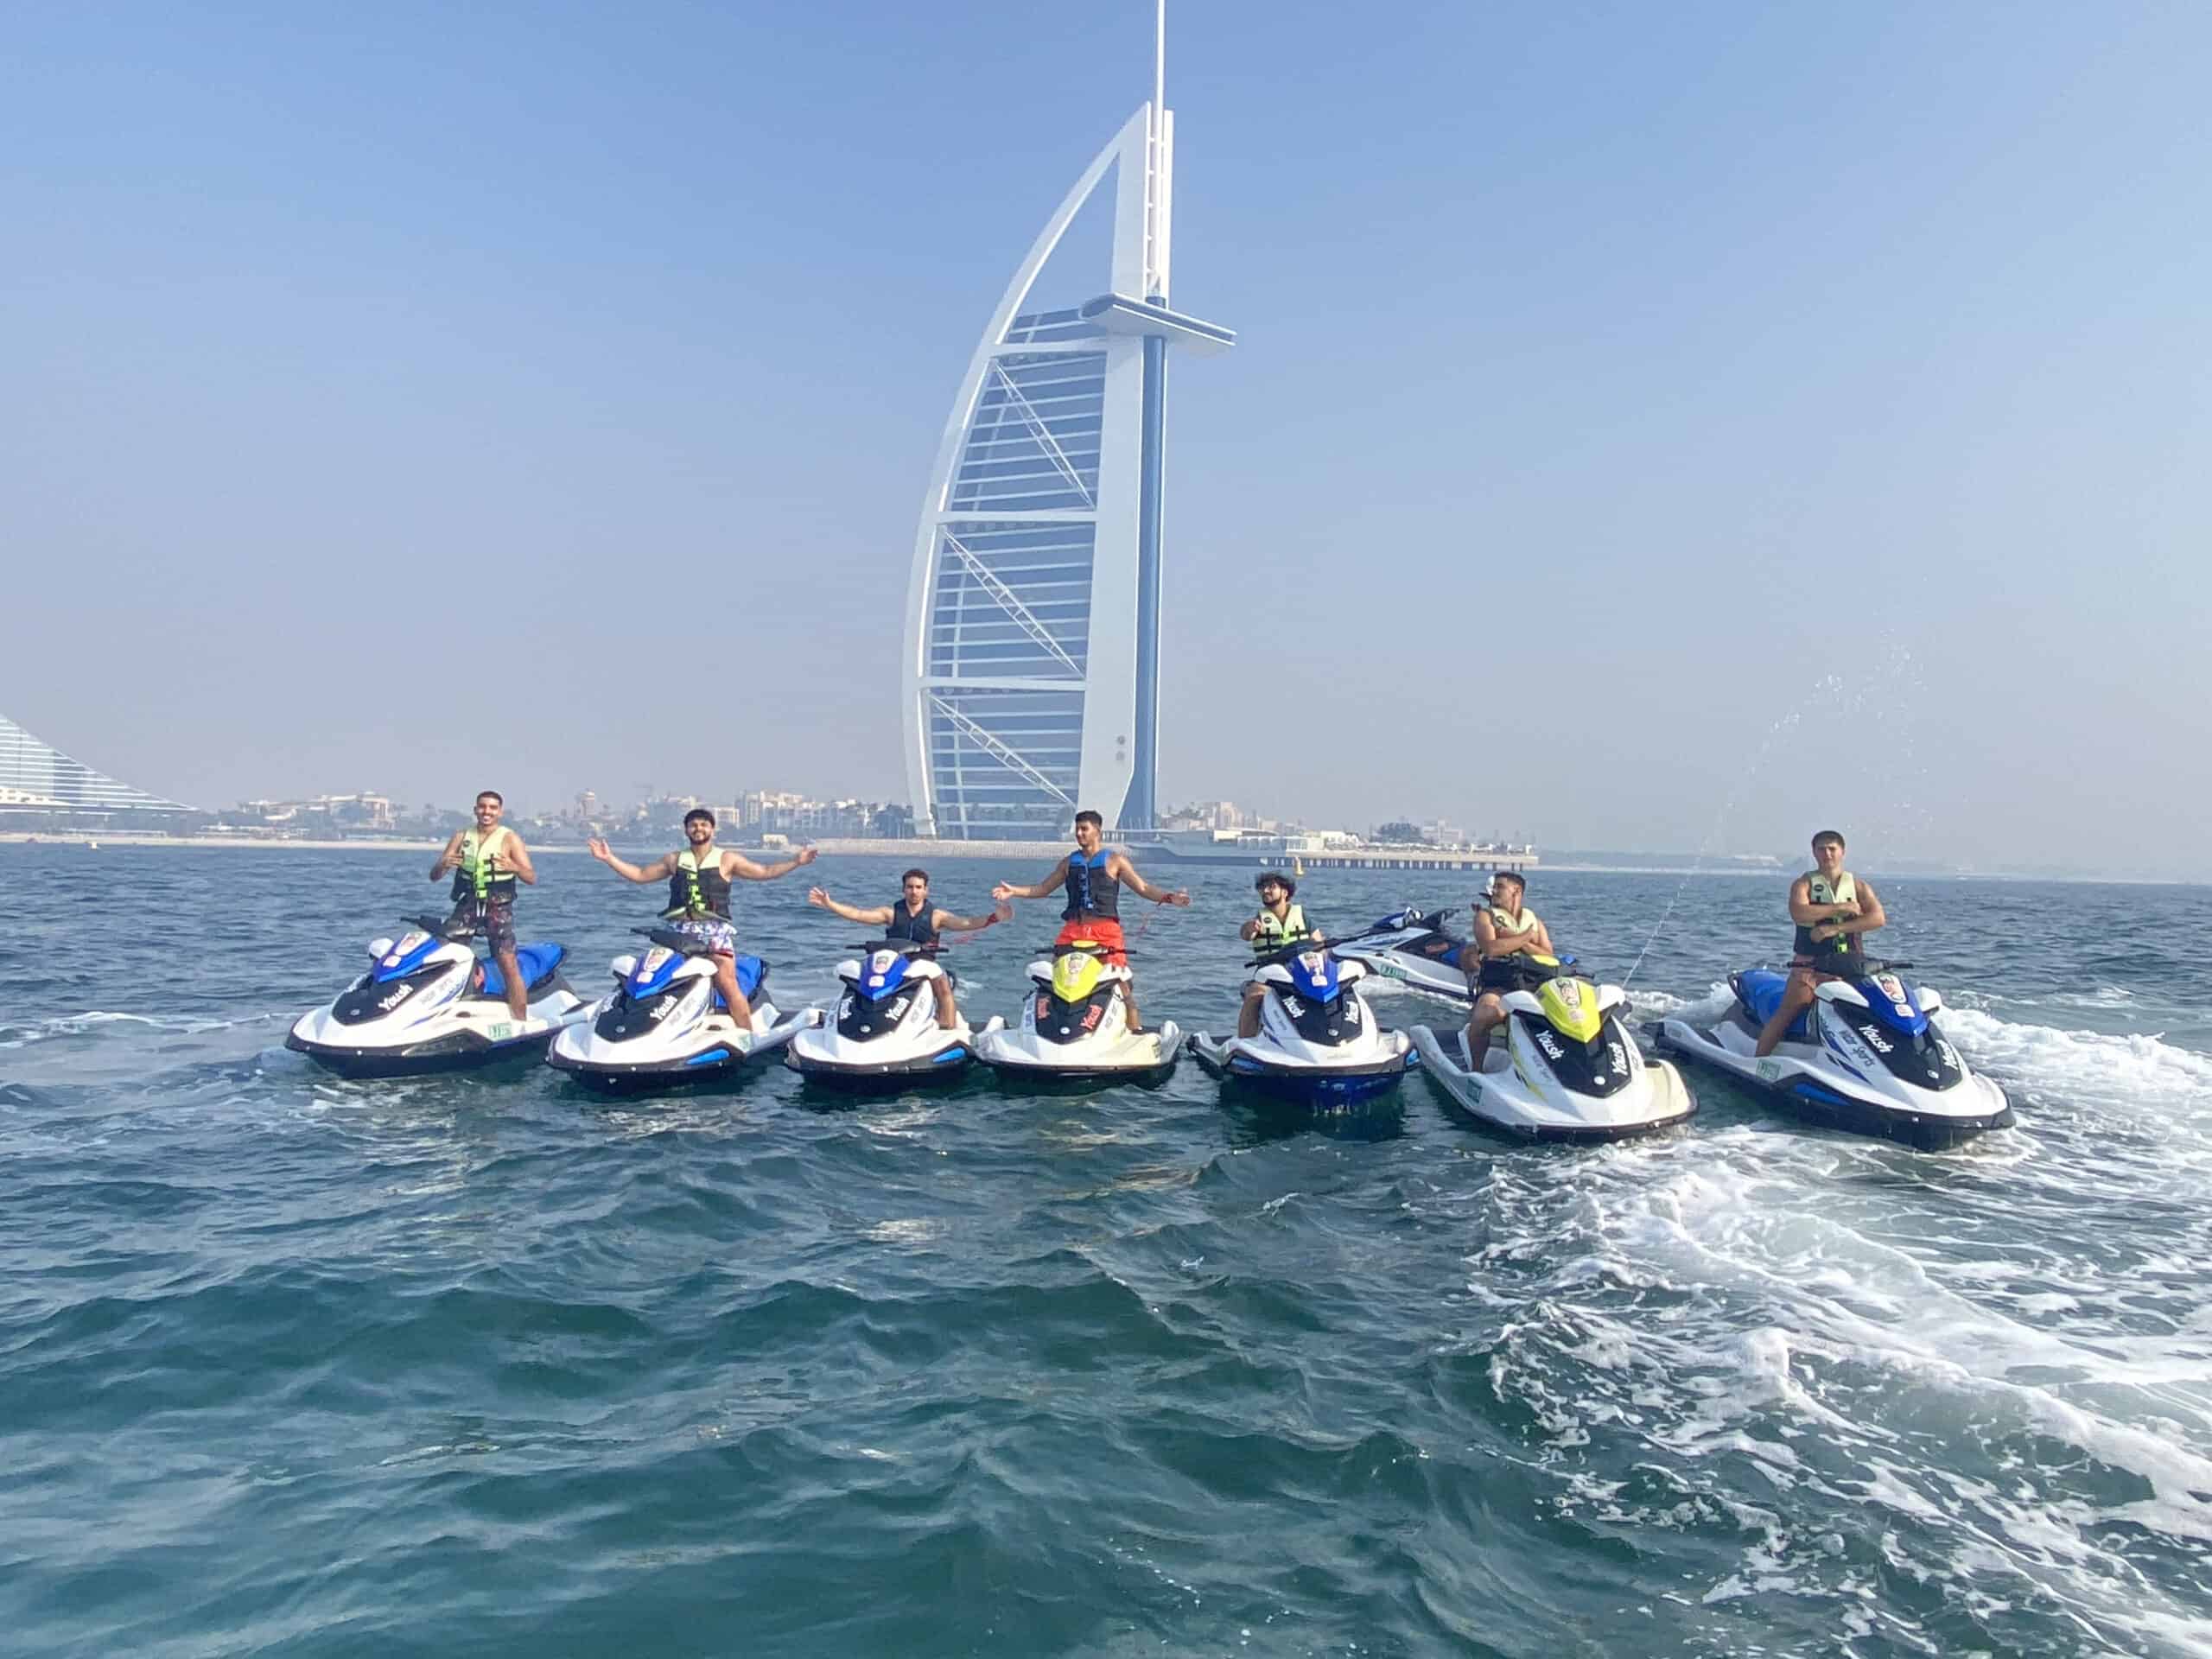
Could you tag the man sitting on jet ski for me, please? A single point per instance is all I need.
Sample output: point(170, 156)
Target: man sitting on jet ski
point(1280, 923)
point(1504, 928)
point(698, 895)
point(1832, 908)
point(914, 918)
point(1094, 876)
point(486, 861)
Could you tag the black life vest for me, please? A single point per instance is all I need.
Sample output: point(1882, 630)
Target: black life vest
point(475, 878)
point(1845, 891)
point(699, 889)
point(905, 924)
point(1091, 892)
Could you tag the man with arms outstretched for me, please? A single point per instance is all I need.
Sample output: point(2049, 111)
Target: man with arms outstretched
point(1093, 876)
point(916, 919)
point(698, 880)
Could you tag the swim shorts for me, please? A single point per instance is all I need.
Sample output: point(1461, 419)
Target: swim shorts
point(1101, 931)
point(712, 931)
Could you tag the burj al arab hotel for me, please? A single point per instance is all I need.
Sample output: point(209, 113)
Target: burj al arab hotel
point(1032, 665)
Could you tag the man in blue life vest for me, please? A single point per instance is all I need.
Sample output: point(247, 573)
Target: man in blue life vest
point(1504, 928)
point(1833, 909)
point(1280, 921)
point(1093, 876)
point(916, 919)
point(698, 880)
point(485, 861)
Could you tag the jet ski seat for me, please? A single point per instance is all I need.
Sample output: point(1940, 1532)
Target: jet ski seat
point(752, 973)
point(539, 962)
point(1759, 991)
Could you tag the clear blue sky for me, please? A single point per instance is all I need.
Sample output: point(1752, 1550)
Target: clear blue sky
point(1652, 425)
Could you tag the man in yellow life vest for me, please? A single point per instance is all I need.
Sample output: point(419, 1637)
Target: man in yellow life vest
point(487, 861)
point(698, 880)
point(1280, 922)
point(1832, 908)
point(1505, 929)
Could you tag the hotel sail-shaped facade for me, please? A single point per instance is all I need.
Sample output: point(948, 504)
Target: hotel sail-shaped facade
point(35, 777)
point(1031, 671)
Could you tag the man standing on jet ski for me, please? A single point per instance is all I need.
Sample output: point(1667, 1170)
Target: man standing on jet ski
point(1094, 876)
point(1280, 923)
point(698, 895)
point(914, 918)
point(1832, 908)
point(1504, 928)
point(486, 861)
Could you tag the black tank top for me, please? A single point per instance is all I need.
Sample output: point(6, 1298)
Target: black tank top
point(905, 924)
point(1091, 892)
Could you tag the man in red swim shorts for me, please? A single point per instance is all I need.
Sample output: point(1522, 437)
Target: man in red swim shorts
point(1094, 877)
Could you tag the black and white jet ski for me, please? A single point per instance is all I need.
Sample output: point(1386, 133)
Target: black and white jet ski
point(1563, 1066)
point(666, 1025)
point(884, 1034)
point(1867, 1057)
point(1416, 948)
point(1319, 1044)
point(427, 1004)
point(1075, 1027)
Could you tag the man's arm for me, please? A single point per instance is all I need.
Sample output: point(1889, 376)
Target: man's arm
point(1496, 941)
point(1805, 912)
point(945, 922)
point(449, 860)
point(737, 864)
point(658, 870)
point(1543, 940)
point(1123, 871)
point(515, 858)
point(879, 916)
point(1006, 890)
point(1868, 917)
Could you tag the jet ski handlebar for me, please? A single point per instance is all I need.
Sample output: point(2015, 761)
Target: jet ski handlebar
point(1295, 948)
point(669, 939)
point(451, 929)
point(904, 947)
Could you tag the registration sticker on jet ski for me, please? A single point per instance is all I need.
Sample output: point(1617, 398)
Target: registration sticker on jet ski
point(1893, 988)
point(654, 957)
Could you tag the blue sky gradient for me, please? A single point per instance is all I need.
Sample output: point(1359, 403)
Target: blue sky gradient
point(1660, 426)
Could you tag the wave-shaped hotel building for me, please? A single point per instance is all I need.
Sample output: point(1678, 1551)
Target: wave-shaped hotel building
point(38, 777)
point(1032, 665)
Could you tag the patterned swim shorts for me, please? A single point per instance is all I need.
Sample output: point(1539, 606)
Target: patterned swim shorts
point(717, 935)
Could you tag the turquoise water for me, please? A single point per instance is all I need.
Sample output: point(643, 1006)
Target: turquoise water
point(294, 1366)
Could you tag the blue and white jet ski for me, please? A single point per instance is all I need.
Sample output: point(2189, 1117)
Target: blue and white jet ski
point(1319, 1044)
point(427, 1004)
point(665, 1025)
point(1564, 1066)
point(1867, 1057)
point(885, 1035)
point(1414, 947)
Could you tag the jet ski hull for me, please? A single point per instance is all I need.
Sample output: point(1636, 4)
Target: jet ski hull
point(1655, 1098)
point(1021, 1055)
point(451, 1051)
point(414, 1014)
point(713, 1051)
point(819, 1057)
point(1798, 1078)
point(1330, 1088)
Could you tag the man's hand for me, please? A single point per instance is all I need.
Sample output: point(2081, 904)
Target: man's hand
point(1824, 931)
point(807, 855)
point(818, 897)
point(1002, 911)
point(1181, 896)
point(1002, 895)
point(599, 850)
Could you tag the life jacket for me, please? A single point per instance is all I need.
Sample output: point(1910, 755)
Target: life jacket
point(1273, 934)
point(475, 878)
point(1520, 921)
point(699, 889)
point(1091, 892)
point(906, 924)
point(1502, 973)
point(1844, 892)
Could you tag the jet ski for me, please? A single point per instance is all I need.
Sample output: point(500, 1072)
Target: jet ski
point(1414, 947)
point(1319, 1044)
point(665, 1024)
point(1075, 1027)
point(1867, 1057)
point(1562, 1067)
point(427, 1004)
point(885, 1034)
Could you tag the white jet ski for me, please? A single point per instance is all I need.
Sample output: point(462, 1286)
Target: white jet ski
point(665, 1025)
point(1563, 1066)
point(1414, 947)
point(427, 1004)
point(1319, 1044)
point(884, 1034)
point(1867, 1057)
point(1075, 1027)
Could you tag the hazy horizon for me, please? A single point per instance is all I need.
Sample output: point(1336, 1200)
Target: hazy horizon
point(1673, 429)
